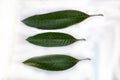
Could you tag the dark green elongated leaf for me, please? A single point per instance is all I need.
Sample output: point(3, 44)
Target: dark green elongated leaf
point(53, 62)
point(56, 20)
point(52, 39)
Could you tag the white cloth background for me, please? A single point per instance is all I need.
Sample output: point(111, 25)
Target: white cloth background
point(102, 45)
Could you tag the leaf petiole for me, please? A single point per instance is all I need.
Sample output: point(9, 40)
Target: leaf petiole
point(81, 39)
point(96, 15)
point(85, 59)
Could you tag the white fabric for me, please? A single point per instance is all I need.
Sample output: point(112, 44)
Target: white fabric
point(102, 45)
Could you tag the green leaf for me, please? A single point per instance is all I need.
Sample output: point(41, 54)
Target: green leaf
point(52, 39)
point(56, 20)
point(53, 62)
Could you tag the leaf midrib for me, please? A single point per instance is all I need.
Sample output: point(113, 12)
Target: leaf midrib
point(49, 39)
point(50, 19)
point(55, 62)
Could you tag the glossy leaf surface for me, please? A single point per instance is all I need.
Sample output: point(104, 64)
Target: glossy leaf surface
point(56, 20)
point(53, 62)
point(52, 39)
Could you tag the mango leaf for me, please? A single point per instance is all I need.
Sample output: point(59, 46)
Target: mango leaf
point(52, 39)
point(53, 62)
point(56, 20)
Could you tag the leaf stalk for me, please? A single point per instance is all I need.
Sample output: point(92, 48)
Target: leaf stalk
point(85, 59)
point(96, 15)
point(81, 39)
